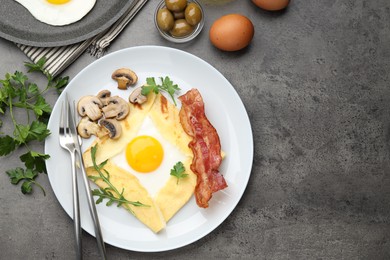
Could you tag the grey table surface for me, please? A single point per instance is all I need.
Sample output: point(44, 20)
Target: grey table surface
point(315, 83)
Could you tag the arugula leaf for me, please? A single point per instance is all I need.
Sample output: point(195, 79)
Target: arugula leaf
point(178, 171)
point(166, 85)
point(107, 194)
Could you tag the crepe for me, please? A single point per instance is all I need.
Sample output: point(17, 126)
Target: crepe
point(130, 126)
point(175, 193)
point(149, 214)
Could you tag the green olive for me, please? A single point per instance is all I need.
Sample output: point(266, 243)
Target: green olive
point(178, 15)
point(176, 5)
point(181, 28)
point(165, 19)
point(193, 14)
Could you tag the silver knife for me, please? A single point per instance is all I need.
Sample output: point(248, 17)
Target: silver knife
point(91, 201)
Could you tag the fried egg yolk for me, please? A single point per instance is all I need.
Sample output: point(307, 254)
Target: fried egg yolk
point(58, 2)
point(144, 153)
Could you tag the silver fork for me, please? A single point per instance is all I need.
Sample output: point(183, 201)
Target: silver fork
point(70, 141)
point(67, 142)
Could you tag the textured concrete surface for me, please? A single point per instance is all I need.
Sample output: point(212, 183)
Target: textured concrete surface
point(315, 82)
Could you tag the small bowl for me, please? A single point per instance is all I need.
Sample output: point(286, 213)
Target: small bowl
point(182, 39)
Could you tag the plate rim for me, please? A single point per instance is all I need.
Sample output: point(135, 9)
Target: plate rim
point(250, 150)
point(70, 41)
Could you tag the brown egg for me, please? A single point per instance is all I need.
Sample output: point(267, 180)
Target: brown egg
point(271, 5)
point(231, 32)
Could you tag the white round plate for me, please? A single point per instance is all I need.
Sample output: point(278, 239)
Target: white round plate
point(225, 111)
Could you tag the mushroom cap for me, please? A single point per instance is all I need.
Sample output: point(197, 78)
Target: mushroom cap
point(104, 96)
point(90, 106)
point(112, 126)
point(137, 97)
point(117, 107)
point(125, 77)
point(86, 128)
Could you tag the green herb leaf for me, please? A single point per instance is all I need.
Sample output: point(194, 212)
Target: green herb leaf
point(41, 106)
point(38, 131)
point(39, 66)
point(166, 85)
point(16, 175)
point(27, 187)
point(33, 89)
point(27, 176)
point(150, 86)
point(169, 87)
point(60, 83)
point(27, 133)
point(7, 145)
point(102, 165)
point(18, 93)
point(57, 83)
point(178, 171)
point(4, 95)
point(34, 160)
point(21, 133)
point(3, 107)
point(19, 77)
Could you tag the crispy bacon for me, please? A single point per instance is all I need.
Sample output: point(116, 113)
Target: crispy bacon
point(205, 146)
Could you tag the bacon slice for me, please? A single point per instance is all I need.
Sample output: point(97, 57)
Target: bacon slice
point(205, 146)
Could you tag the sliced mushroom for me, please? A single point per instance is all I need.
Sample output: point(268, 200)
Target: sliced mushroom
point(137, 97)
point(112, 126)
point(125, 77)
point(104, 96)
point(90, 106)
point(86, 128)
point(117, 107)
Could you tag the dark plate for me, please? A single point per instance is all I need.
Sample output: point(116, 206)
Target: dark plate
point(18, 25)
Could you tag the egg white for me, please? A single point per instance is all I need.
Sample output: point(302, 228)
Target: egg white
point(58, 15)
point(155, 180)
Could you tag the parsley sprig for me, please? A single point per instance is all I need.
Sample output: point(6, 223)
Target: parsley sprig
point(110, 192)
point(166, 85)
point(18, 93)
point(178, 171)
point(27, 176)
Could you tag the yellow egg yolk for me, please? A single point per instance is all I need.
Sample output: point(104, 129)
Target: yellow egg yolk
point(144, 154)
point(58, 2)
